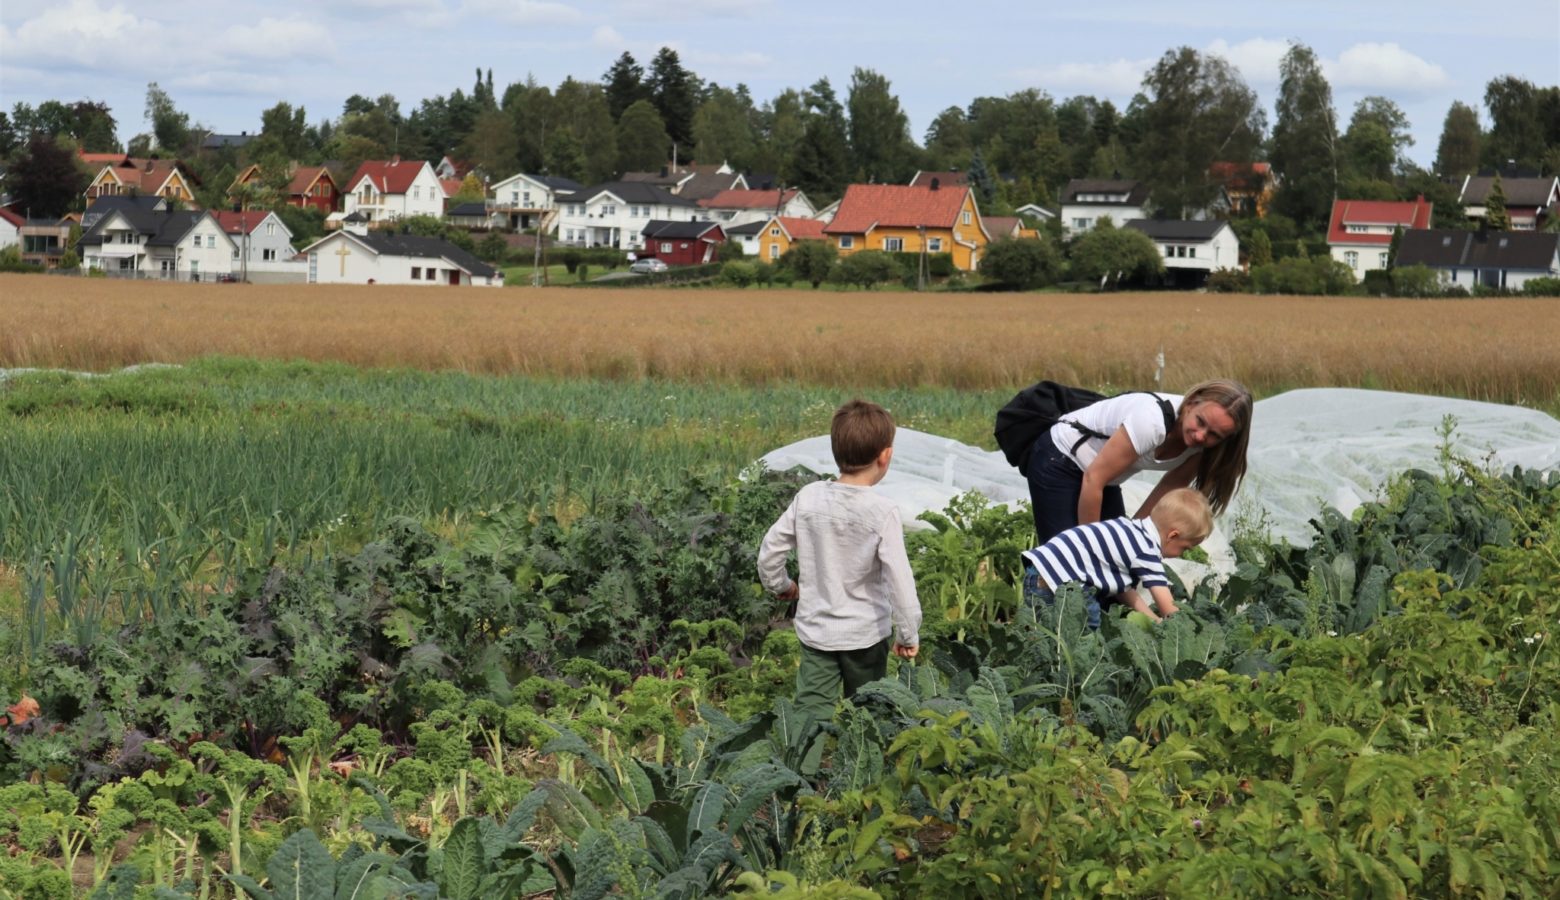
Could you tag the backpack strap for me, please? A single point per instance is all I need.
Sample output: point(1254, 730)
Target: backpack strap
point(1084, 433)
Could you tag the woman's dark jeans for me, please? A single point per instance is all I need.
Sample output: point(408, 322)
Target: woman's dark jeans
point(1055, 482)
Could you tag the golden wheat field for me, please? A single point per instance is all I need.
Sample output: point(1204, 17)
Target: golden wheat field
point(1497, 349)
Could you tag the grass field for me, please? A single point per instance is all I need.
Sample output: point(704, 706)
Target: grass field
point(1488, 349)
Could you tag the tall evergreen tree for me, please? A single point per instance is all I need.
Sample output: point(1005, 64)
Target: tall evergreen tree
point(781, 124)
point(1495, 216)
point(1305, 140)
point(624, 83)
point(1458, 151)
point(723, 127)
point(821, 158)
point(581, 109)
point(675, 93)
point(981, 181)
point(948, 140)
point(879, 131)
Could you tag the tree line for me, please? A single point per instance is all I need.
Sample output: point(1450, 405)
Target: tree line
point(1194, 109)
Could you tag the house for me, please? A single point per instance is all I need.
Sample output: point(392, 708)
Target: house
point(1492, 259)
point(681, 243)
point(44, 241)
point(691, 182)
point(355, 255)
point(129, 176)
point(1530, 202)
point(1359, 234)
point(899, 218)
point(472, 214)
point(129, 237)
point(746, 237)
point(1245, 189)
point(780, 233)
point(1191, 249)
point(451, 170)
point(615, 214)
point(1036, 213)
point(262, 246)
point(388, 189)
point(314, 187)
point(1000, 227)
point(10, 228)
point(954, 178)
point(761, 181)
point(738, 207)
point(521, 200)
point(238, 141)
point(1087, 200)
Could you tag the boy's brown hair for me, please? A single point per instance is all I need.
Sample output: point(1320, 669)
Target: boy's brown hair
point(860, 431)
point(1187, 511)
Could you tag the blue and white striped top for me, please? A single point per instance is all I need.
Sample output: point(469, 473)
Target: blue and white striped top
point(1110, 556)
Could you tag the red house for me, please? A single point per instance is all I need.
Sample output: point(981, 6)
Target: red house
point(682, 243)
point(1360, 232)
point(314, 186)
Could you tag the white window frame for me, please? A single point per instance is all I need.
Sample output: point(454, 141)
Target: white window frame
point(934, 245)
point(1351, 258)
point(893, 245)
point(774, 251)
point(847, 242)
point(967, 217)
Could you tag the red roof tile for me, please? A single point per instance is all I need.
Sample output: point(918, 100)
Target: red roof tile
point(390, 176)
point(240, 222)
point(866, 206)
point(451, 185)
point(801, 229)
point(12, 217)
point(740, 199)
point(304, 178)
point(1407, 213)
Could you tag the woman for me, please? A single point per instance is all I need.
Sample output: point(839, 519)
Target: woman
point(1076, 470)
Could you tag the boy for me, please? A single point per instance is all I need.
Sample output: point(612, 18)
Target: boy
point(855, 583)
point(1109, 558)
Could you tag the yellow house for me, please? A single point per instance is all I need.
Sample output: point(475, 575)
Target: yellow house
point(781, 232)
point(900, 218)
point(144, 177)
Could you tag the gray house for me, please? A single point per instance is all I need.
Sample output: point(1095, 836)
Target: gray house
point(1495, 259)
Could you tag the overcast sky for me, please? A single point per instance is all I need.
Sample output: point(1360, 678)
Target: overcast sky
point(225, 62)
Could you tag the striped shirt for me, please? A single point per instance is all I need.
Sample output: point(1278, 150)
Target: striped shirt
point(1110, 556)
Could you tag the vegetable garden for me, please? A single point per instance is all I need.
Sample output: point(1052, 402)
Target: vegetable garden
point(301, 630)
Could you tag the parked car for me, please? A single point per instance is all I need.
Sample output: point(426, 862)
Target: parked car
point(648, 266)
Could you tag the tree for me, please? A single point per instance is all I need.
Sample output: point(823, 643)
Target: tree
point(1023, 263)
point(810, 260)
point(170, 127)
point(1458, 151)
point(1261, 248)
point(980, 180)
point(674, 91)
point(472, 190)
point(723, 127)
point(493, 247)
point(1495, 216)
point(1516, 134)
point(493, 145)
point(1108, 253)
point(948, 140)
point(879, 131)
point(867, 269)
point(581, 109)
point(93, 127)
point(528, 105)
point(1378, 135)
point(283, 130)
point(642, 142)
point(780, 125)
point(1305, 140)
point(564, 155)
point(821, 158)
point(45, 180)
point(1199, 112)
point(625, 84)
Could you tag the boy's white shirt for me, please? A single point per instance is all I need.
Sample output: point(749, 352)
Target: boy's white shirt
point(856, 583)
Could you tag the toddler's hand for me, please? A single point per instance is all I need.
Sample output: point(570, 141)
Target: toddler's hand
point(790, 593)
point(903, 652)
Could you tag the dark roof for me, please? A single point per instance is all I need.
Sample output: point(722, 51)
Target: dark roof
point(761, 181)
point(471, 208)
point(218, 141)
point(1519, 191)
point(1445, 248)
point(558, 182)
point(749, 228)
point(704, 185)
point(634, 192)
point(355, 216)
point(1177, 229)
point(101, 206)
point(425, 248)
point(163, 228)
point(1136, 191)
point(661, 228)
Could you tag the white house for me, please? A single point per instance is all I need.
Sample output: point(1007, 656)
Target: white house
point(362, 257)
point(131, 239)
point(615, 214)
point(384, 190)
point(521, 200)
point(1530, 201)
point(739, 207)
point(263, 250)
point(1493, 259)
point(1036, 212)
point(1087, 200)
point(10, 228)
point(1191, 249)
point(1359, 234)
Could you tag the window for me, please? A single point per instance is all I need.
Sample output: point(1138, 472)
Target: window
point(428, 274)
point(774, 251)
point(416, 272)
point(270, 228)
point(527, 198)
point(1180, 252)
point(966, 217)
point(235, 253)
point(1191, 252)
point(1351, 259)
point(847, 242)
point(775, 231)
point(416, 192)
point(1081, 224)
point(1169, 251)
point(268, 255)
point(1381, 260)
point(934, 245)
point(609, 209)
point(666, 246)
point(893, 244)
point(1358, 229)
point(195, 269)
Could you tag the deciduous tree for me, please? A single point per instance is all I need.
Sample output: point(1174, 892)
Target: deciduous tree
point(1458, 151)
point(45, 181)
point(1305, 140)
point(170, 127)
point(642, 142)
point(879, 130)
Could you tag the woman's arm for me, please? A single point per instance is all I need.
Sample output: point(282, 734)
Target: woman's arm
point(1116, 457)
point(1178, 477)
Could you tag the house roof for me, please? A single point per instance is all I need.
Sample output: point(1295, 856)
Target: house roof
point(235, 222)
point(12, 217)
point(1004, 225)
point(800, 229)
point(704, 185)
point(633, 192)
point(954, 178)
point(451, 185)
point(389, 176)
point(143, 174)
point(163, 228)
point(1178, 229)
point(304, 178)
point(664, 228)
point(1136, 191)
point(866, 206)
point(747, 199)
point(746, 228)
point(415, 246)
point(1405, 214)
point(1444, 248)
point(471, 208)
point(101, 206)
point(761, 181)
point(1518, 191)
point(98, 160)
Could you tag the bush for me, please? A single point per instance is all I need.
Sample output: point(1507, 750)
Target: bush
point(738, 274)
point(1228, 281)
point(938, 265)
point(11, 261)
point(1314, 275)
point(811, 261)
point(493, 247)
point(1111, 253)
point(1022, 263)
point(1542, 287)
point(729, 250)
point(582, 272)
point(570, 259)
point(1415, 281)
point(866, 269)
point(1378, 283)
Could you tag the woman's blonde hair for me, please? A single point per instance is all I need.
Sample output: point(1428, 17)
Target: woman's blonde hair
point(1221, 467)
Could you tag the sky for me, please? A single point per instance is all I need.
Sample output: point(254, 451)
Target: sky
point(225, 62)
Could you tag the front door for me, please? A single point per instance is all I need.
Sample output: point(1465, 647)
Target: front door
point(454, 277)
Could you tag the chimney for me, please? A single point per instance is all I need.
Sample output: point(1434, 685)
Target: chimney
point(395, 160)
point(936, 183)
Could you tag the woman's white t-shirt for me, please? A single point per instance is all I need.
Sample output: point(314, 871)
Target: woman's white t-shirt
point(1139, 413)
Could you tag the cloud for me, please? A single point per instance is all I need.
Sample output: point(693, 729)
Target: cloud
point(737, 61)
point(82, 33)
point(608, 37)
point(666, 13)
point(1256, 58)
point(527, 13)
point(1120, 78)
point(1383, 67)
point(277, 39)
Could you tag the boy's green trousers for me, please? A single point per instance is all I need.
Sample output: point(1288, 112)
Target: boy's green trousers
point(818, 682)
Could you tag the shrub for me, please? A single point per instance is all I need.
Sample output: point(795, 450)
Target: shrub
point(729, 250)
point(582, 272)
point(1378, 283)
point(1022, 263)
point(1313, 275)
point(570, 259)
point(738, 274)
point(1228, 281)
point(1415, 281)
point(811, 261)
point(938, 265)
point(493, 247)
point(867, 268)
point(11, 260)
point(1542, 287)
point(1111, 253)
